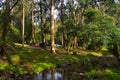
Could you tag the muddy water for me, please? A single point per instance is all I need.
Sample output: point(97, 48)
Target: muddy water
point(74, 71)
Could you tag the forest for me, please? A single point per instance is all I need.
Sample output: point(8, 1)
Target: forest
point(59, 39)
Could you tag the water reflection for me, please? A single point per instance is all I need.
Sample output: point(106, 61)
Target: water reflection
point(50, 75)
point(78, 71)
point(74, 71)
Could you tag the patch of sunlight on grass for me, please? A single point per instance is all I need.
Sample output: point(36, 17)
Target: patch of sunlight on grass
point(29, 51)
point(18, 44)
point(104, 49)
point(75, 58)
point(97, 54)
point(41, 66)
point(108, 71)
point(3, 66)
point(15, 59)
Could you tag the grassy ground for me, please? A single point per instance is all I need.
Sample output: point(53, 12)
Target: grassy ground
point(37, 59)
point(30, 59)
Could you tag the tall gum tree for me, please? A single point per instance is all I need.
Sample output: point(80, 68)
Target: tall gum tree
point(52, 26)
point(62, 22)
point(23, 22)
point(32, 21)
point(43, 10)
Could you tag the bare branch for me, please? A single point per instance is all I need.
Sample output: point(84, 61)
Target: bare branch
point(14, 4)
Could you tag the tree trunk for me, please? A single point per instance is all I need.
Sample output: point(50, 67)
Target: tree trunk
point(82, 16)
point(7, 21)
point(33, 28)
point(44, 26)
point(62, 34)
point(43, 23)
point(5, 27)
point(115, 49)
point(75, 42)
point(52, 26)
point(23, 23)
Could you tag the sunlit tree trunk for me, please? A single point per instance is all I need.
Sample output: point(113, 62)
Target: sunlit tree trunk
point(44, 33)
point(23, 23)
point(52, 26)
point(33, 27)
point(75, 42)
point(81, 25)
point(62, 23)
point(75, 45)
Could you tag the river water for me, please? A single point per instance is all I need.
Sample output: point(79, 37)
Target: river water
point(74, 71)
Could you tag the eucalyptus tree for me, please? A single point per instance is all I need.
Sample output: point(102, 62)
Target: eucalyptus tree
point(52, 25)
point(32, 21)
point(23, 22)
point(68, 23)
point(43, 12)
point(113, 9)
point(62, 21)
point(6, 14)
point(5, 46)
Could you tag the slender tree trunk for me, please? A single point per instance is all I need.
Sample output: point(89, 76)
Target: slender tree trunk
point(5, 27)
point(81, 25)
point(75, 42)
point(62, 34)
point(7, 21)
point(33, 27)
point(52, 26)
point(53, 74)
point(75, 45)
point(115, 49)
point(43, 23)
point(44, 26)
point(82, 16)
point(23, 23)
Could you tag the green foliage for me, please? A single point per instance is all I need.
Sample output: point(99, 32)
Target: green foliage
point(98, 30)
point(107, 74)
point(91, 14)
point(14, 30)
point(70, 31)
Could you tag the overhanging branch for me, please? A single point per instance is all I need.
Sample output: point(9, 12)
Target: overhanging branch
point(14, 4)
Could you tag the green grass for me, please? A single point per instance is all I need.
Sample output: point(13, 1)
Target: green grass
point(26, 60)
point(36, 60)
point(106, 74)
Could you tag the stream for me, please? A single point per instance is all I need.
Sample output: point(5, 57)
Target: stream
point(74, 71)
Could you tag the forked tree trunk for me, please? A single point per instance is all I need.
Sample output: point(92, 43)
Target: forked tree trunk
point(52, 26)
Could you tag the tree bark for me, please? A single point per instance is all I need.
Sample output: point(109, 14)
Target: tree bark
point(7, 21)
point(43, 23)
point(52, 26)
point(62, 23)
point(33, 27)
point(115, 49)
point(23, 23)
point(75, 42)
